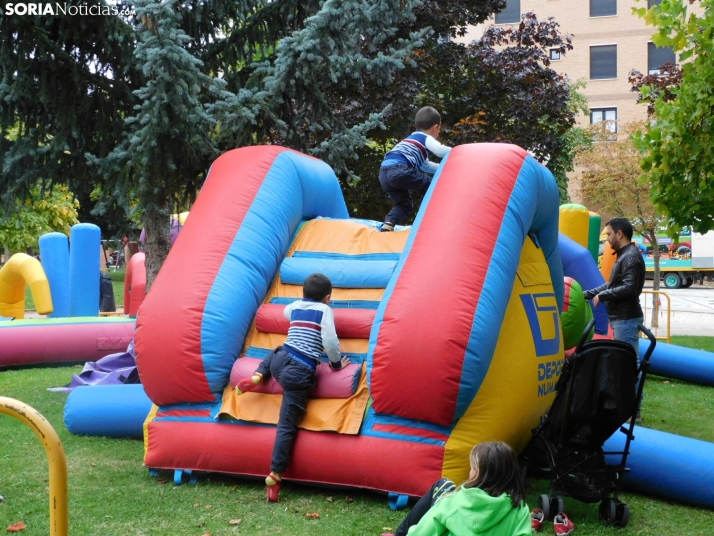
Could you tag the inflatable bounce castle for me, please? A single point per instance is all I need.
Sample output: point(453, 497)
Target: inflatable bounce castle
point(453, 327)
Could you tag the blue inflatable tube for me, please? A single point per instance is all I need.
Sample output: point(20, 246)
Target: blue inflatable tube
point(670, 466)
point(352, 274)
point(54, 255)
point(578, 263)
point(107, 410)
point(84, 240)
point(680, 363)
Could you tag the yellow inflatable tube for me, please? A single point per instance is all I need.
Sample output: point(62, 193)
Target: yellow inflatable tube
point(20, 270)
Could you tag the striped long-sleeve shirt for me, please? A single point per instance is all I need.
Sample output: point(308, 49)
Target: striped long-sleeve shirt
point(415, 150)
point(312, 331)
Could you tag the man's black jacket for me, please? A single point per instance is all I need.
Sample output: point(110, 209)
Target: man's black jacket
point(622, 294)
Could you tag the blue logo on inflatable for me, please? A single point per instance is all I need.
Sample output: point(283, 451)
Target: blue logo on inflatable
point(542, 303)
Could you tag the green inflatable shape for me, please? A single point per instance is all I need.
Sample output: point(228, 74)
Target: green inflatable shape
point(576, 314)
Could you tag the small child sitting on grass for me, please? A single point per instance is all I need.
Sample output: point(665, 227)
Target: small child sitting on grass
point(293, 365)
point(491, 502)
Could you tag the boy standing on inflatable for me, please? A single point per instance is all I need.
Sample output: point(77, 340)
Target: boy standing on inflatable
point(293, 365)
point(407, 166)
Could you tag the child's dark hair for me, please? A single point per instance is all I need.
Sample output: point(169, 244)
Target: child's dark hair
point(621, 224)
point(498, 471)
point(316, 287)
point(426, 118)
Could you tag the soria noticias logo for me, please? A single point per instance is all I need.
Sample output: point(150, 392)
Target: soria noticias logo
point(47, 8)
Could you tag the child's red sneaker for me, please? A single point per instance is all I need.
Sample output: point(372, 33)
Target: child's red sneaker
point(248, 384)
point(537, 519)
point(274, 492)
point(562, 525)
point(273, 482)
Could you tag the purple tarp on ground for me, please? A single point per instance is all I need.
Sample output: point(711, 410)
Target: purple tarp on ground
point(114, 369)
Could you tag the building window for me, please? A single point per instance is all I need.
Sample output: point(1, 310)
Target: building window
point(554, 54)
point(598, 115)
point(603, 8)
point(658, 56)
point(603, 62)
point(511, 13)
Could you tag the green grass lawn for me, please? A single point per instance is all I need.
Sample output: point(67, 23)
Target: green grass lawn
point(110, 493)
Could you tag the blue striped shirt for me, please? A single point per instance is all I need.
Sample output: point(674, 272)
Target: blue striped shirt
point(415, 150)
point(312, 330)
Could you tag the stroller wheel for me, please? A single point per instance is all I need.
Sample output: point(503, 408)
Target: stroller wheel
point(623, 514)
point(556, 505)
point(544, 505)
point(608, 511)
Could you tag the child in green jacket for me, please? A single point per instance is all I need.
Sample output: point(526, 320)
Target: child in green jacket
point(490, 503)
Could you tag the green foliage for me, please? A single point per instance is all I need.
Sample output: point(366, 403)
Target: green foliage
point(677, 146)
point(169, 139)
point(43, 212)
point(65, 84)
point(499, 88)
point(135, 109)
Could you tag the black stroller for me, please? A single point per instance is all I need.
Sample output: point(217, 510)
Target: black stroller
point(596, 395)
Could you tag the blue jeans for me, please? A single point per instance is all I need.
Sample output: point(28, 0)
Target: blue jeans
point(296, 379)
point(397, 180)
point(626, 331)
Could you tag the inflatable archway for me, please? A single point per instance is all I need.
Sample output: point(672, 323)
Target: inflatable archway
point(18, 272)
point(455, 324)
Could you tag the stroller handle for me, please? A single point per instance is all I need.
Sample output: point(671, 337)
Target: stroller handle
point(653, 342)
point(584, 337)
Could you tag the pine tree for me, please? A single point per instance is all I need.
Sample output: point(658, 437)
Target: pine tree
point(162, 160)
point(65, 84)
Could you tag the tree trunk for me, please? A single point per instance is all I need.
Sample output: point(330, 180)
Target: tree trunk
point(156, 223)
point(655, 283)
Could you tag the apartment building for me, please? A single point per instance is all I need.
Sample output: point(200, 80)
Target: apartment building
point(609, 41)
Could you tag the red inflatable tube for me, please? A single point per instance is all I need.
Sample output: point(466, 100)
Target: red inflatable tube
point(404, 467)
point(71, 342)
point(349, 323)
point(330, 383)
point(134, 284)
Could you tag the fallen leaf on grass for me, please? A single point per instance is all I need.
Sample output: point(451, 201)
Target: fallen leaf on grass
point(666, 381)
point(235, 521)
point(17, 527)
point(162, 481)
point(313, 515)
point(209, 506)
point(349, 499)
point(234, 486)
point(195, 504)
point(329, 499)
point(387, 529)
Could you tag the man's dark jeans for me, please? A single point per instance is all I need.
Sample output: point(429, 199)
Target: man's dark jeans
point(397, 180)
point(296, 379)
